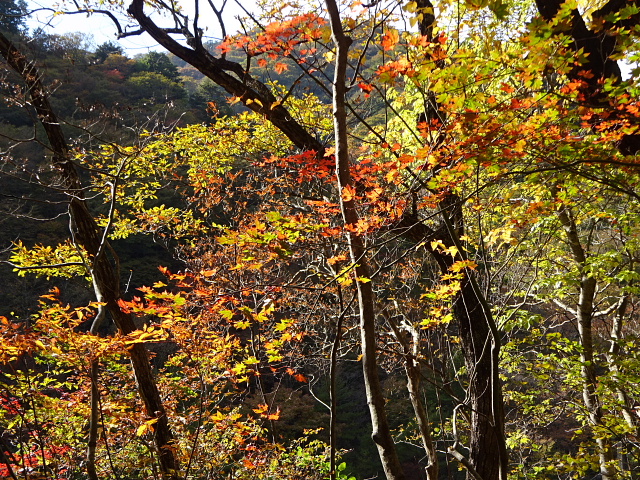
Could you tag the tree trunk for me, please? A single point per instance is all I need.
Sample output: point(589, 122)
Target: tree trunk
point(87, 234)
point(599, 46)
point(366, 300)
point(408, 337)
point(480, 344)
point(584, 317)
point(480, 347)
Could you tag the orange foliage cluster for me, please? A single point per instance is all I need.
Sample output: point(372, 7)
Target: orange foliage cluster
point(280, 38)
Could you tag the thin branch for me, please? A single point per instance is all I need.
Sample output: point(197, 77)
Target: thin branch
point(40, 267)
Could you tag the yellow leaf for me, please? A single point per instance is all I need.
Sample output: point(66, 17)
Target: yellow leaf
point(452, 250)
point(348, 193)
point(148, 425)
point(462, 264)
point(435, 244)
point(520, 146)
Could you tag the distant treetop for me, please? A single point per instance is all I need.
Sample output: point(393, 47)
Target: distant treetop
point(12, 15)
point(106, 49)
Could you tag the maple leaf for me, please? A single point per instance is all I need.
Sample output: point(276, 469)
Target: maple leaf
point(348, 193)
point(281, 67)
point(337, 258)
point(124, 306)
point(505, 87)
point(262, 409)
point(224, 47)
point(275, 415)
point(366, 87)
point(462, 264)
point(390, 39)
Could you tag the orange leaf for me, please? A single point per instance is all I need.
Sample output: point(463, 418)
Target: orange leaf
point(274, 416)
point(390, 39)
point(281, 67)
point(462, 264)
point(374, 194)
point(262, 409)
point(507, 88)
point(124, 306)
point(365, 86)
point(336, 259)
point(348, 193)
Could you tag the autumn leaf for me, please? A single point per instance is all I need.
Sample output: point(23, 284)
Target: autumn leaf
point(375, 194)
point(275, 415)
point(281, 67)
point(338, 258)
point(146, 426)
point(390, 39)
point(505, 87)
point(462, 264)
point(348, 193)
point(261, 409)
point(124, 305)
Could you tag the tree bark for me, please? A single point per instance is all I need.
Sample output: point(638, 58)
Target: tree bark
point(253, 93)
point(613, 358)
point(599, 46)
point(381, 434)
point(480, 342)
point(408, 337)
point(88, 235)
point(584, 317)
point(480, 347)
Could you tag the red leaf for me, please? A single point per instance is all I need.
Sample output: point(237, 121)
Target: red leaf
point(281, 67)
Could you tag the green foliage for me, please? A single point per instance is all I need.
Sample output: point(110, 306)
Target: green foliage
point(149, 86)
point(484, 123)
point(159, 63)
point(106, 49)
point(13, 16)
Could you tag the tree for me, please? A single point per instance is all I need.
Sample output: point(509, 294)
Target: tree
point(13, 16)
point(159, 63)
point(452, 222)
point(105, 49)
point(481, 360)
point(92, 240)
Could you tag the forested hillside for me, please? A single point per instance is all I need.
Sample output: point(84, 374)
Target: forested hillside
point(389, 240)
